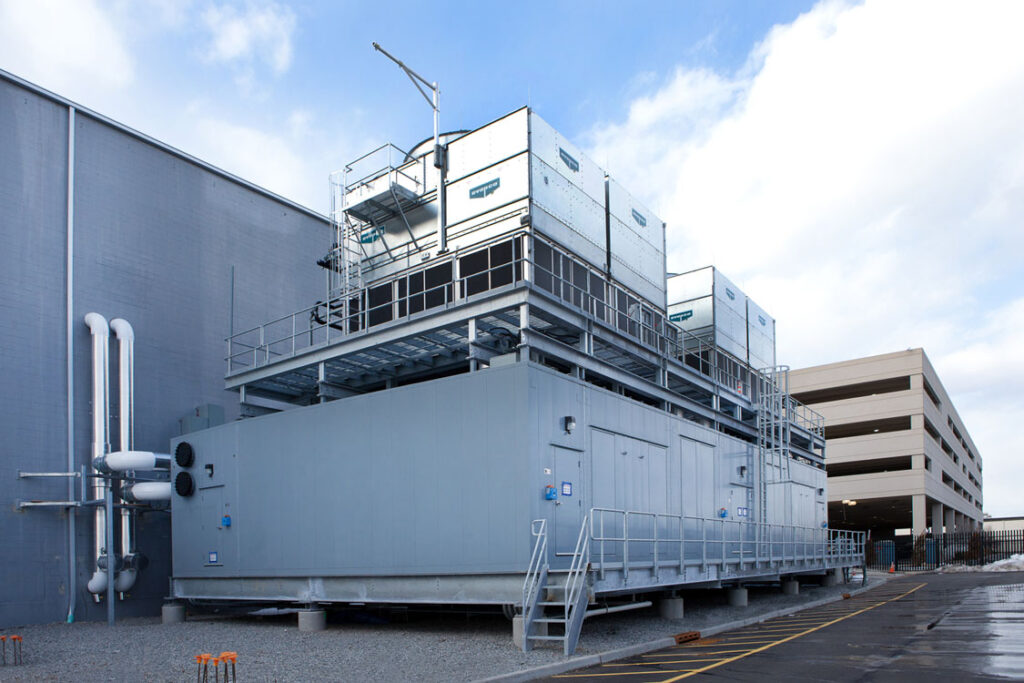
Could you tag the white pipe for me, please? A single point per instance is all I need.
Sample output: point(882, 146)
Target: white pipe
point(126, 423)
point(100, 340)
point(147, 491)
point(123, 461)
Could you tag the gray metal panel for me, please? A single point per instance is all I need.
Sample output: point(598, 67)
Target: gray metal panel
point(559, 154)
point(156, 235)
point(488, 145)
point(636, 263)
point(485, 190)
point(730, 317)
point(691, 285)
point(424, 479)
point(33, 163)
point(567, 214)
point(760, 336)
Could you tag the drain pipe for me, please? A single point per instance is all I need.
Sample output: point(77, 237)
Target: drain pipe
point(126, 423)
point(100, 341)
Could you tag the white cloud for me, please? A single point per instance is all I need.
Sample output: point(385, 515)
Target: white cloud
point(243, 37)
point(73, 47)
point(862, 177)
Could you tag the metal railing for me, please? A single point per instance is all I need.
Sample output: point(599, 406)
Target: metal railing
point(534, 572)
point(398, 297)
point(632, 540)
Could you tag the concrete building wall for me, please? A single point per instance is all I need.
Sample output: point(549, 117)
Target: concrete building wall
point(155, 236)
point(899, 448)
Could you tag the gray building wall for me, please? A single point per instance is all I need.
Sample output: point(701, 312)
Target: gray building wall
point(156, 234)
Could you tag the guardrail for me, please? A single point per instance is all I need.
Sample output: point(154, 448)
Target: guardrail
point(632, 539)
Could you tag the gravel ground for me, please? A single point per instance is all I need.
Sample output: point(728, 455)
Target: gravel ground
point(357, 646)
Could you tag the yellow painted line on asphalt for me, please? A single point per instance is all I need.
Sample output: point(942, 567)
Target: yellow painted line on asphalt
point(696, 654)
point(687, 674)
point(675, 661)
point(627, 673)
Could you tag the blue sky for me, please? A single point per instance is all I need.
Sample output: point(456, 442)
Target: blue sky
point(856, 167)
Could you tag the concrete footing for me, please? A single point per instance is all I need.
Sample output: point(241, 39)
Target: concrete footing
point(172, 613)
point(737, 597)
point(671, 608)
point(832, 577)
point(517, 630)
point(791, 587)
point(312, 620)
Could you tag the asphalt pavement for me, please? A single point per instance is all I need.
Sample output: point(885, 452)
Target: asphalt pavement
point(935, 627)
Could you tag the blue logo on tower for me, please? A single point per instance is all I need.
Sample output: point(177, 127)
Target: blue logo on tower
point(568, 160)
point(488, 188)
point(639, 218)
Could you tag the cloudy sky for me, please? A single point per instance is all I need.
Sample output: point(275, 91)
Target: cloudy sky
point(858, 168)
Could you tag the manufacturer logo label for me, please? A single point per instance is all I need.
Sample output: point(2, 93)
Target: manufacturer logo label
point(681, 316)
point(639, 218)
point(568, 160)
point(370, 235)
point(731, 294)
point(760, 319)
point(481, 191)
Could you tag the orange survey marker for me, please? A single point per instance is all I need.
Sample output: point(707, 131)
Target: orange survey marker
point(229, 657)
point(16, 650)
point(892, 568)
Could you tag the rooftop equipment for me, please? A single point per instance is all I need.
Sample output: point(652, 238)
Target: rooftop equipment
point(511, 418)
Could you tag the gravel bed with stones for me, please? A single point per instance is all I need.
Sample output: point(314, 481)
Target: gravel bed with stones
point(392, 645)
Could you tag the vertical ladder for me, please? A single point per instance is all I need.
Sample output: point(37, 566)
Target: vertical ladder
point(773, 434)
point(347, 253)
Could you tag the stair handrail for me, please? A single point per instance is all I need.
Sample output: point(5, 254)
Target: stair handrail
point(574, 581)
point(575, 588)
point(538, 560)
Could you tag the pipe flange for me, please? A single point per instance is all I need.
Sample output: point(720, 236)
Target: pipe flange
point(184, 455)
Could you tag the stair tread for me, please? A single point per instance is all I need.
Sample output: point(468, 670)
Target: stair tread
point(546, 637)
point(549, 620)
point(552, 604)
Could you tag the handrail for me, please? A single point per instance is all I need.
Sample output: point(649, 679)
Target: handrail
point(531, 584)
point(574, 581)
point(716, 542)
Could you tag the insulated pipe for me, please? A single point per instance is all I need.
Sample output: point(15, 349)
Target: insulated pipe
point(100, 340)
point(147, 491)
point(126, 423)
point(124, 461)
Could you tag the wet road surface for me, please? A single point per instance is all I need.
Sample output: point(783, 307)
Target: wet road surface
point(935, 627)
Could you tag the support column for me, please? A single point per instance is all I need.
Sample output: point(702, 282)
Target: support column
point(919, 514)
point(474, 364)
point(949, 515)
point(936, 518)
point(172, 613)
point(312, 620)
point(791, 587)
point(671, 608)
point(737, 597)
point(959, 518)
point(539, 629)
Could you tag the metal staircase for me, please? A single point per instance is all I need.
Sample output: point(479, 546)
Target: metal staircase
point(773, 436)
point(557, 599)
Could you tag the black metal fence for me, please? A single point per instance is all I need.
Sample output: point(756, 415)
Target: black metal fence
point(913, 553)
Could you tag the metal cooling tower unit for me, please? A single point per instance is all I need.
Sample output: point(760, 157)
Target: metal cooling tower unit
point(514, 420)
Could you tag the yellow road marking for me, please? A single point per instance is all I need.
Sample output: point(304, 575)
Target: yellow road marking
point(728, 660)
point(626, 673)
point(683, 654)
point(675, 661)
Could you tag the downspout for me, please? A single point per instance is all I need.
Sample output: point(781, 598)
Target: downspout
point(69, 300)
point(126, 423)
point(100, 341)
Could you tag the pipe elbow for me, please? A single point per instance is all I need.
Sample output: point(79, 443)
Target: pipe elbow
point(98, 583)
point(97, 324)
point(124, 580)
point(123, 329)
